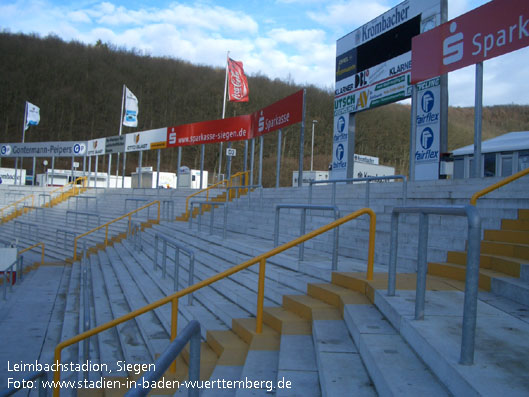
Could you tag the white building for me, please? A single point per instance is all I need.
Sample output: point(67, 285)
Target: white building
point(364, 167)
point(501, 156)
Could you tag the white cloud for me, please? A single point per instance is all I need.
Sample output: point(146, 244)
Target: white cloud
point(348, 15)
point(202, 32)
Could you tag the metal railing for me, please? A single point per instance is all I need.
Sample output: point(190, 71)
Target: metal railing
point(472, 268)
point(14, 273)
point(106, 225)
point(45, 195)
point(15, 211)
point(243, 179)
point(248, 187)
point(503, 182)
point(260, 259)
point(367, 180)
point(28, 383)
point(168, 210)
point(85, 199)
point(35, 246)
point(61, 193)
point(176, 274)
point(304, 208)
point(209, 204)
point(32, 228)
point(86, 307)
point(85, 214)
point(39, 212)
point(229, 184)
point(191, 334)
point(207, 190)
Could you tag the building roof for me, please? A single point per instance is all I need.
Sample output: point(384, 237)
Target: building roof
point(507, 142)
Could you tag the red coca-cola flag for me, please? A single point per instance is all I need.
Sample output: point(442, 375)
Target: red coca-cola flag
point(237, 82)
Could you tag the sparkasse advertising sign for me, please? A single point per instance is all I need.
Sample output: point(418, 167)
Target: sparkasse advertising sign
point(494, 29)
point(278, 115)
point(213, 131)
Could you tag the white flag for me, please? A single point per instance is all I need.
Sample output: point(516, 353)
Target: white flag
point(131, 109)
point(32, 115)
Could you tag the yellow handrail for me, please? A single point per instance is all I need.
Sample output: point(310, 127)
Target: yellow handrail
point(232, 180)
point(202, 191)
point(73, 183)
point(497, 185)
point(16, 203)
point(261, 259)
point(106, 225)
point(34, 246)
point(227, 182)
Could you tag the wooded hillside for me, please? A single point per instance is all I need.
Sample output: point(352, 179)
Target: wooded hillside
point(78, 89)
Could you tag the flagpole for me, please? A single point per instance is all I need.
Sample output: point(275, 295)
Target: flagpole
point(120, 129)
point(24, 123)
point(23, 139)
point(122, 104)
point(223, 109)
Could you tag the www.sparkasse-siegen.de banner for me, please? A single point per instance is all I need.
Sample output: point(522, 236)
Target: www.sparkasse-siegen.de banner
point(280, 114)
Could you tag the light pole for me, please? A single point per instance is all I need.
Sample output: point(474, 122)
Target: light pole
point(45, 163)
point(312, 150)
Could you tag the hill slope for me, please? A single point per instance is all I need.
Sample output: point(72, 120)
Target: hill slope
point(78, 89)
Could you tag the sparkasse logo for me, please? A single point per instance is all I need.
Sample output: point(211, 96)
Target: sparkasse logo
point(453, 46)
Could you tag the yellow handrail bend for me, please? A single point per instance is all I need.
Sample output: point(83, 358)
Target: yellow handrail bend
point(497, 185)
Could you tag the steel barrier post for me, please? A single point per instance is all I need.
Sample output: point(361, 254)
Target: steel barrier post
point(302, 231)
point(394, 241)
point(470, 304)
point(260, 297)
point(422, 266)
point(164, 259)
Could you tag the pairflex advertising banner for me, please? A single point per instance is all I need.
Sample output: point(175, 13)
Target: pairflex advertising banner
point(279, 115)
point(43, 149)
point(428, 123)
point(494, 29)
point(340, 147)
point(146, 140)
point(373, 63)
point(96, 147)
point(214, 131)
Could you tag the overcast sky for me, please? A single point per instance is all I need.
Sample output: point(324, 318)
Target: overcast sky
point(286, 39)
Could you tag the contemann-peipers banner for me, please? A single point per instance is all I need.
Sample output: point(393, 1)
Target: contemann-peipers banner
point(43, 149)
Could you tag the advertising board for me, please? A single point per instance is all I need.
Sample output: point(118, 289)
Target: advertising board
point(96, 147)
point(427, 141)
point(340, 147)
point(494, 29)
point(280, 114)
point(146, 140)
point(373, 63)
point(214, 131)
point(115, 144)
point(43, 149)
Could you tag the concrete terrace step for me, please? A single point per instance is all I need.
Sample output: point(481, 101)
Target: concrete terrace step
point(437, 339)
